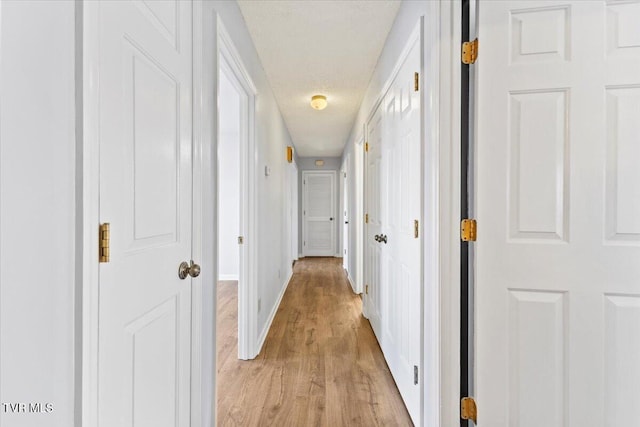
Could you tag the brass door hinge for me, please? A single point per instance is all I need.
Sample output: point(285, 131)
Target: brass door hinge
point(366, 147)
point(416, 82)
point(470, 52)
point(240, 240)
point(416, 228)
point(104, 240)
point(366, 289)
point(468, 409)
point(366, 218)
point(468, 230)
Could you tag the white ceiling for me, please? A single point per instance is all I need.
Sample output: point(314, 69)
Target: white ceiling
point(310, 47)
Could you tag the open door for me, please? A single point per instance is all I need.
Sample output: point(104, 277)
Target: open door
point(144, 104)
point(558, 188)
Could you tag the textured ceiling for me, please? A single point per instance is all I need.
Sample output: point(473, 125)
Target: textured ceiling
point(310, 47)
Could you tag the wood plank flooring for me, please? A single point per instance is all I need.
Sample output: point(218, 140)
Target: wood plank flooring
point(320, 365)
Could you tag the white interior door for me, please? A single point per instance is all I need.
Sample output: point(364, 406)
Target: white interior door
point(558, 209)
point(319, 231)
point(345, 219)
point(145, 194)
point(374, 200)
point(394, 189)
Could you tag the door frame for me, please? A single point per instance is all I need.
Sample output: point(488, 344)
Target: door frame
point(304, 207)
point(357, 215)
point(230, 63)
point(442, 185)
point(291, 189)
point(88, 211)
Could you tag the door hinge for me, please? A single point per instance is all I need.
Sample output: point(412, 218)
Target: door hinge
point(415, 374)
point(468, 230)
point(240, 240)
point(468, 409)
point(366, 289)
point(416, 82)
point(104, 240)
point(366, 147)
point(366, 218)
point(470, 52)
point(416, 228)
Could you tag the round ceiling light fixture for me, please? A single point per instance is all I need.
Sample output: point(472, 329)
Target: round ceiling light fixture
point(319, 102)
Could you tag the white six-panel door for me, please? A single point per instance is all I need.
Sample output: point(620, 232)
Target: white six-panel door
point(558, 208)
point(393, 249)
point(145, 194)
point(319, 213)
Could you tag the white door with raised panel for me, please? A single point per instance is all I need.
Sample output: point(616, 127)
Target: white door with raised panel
point(145, 86)
point(319, 213)
point(557, 315)
point(393, 245)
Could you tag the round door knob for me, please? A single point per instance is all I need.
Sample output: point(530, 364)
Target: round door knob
point(186, 269)
point(383, 238)
point(194, 269)
point(330, 219)
point(376, 238)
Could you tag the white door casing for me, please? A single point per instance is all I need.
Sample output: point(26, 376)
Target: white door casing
point(145, 140)
point(558, 252)
point(319, 213)
point(394, 206)
point(230, 63)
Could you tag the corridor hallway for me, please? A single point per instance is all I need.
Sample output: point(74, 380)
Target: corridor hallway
point(320, 364)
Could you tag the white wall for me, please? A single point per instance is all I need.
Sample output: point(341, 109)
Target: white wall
point(272, 138)
point(229, 178)
point(309, 164)
point(38, 211)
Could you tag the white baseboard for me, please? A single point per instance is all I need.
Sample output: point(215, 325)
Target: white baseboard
point(353, 285)
point(338, 256)
point(300, 256)
point(228, 277)
point(272, 315)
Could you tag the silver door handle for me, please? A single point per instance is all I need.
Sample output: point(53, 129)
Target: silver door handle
point(186, 269)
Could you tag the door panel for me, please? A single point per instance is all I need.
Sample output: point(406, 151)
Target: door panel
point(393, 204)
point(373, 227)
point(319, 213)
point(557, 259)
point(145, 194)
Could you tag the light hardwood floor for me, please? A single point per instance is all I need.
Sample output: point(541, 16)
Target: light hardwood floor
point(320, 365)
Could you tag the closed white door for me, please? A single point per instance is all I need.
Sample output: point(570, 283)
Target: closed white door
point(393, 205)
point(345, 220)
point(558, 206)
point(401, 246)
point(374, 204)
point(145, 194)
point(319, 207)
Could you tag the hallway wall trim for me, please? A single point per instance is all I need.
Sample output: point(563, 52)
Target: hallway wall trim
point(272, 315)
point(230, 61)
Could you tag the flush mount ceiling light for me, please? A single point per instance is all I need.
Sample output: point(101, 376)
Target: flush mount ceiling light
point(319, 102)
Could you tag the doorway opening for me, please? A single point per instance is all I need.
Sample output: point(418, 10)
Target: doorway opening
point(235, 206)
